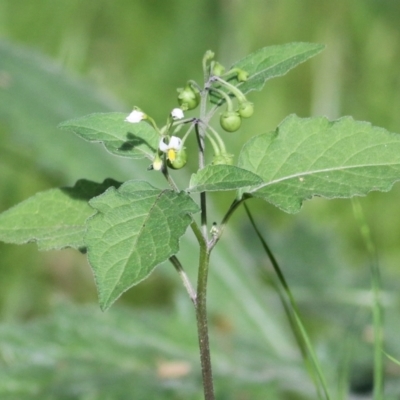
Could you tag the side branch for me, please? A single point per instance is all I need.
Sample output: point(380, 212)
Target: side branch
point(235, 204)
point(185, 279)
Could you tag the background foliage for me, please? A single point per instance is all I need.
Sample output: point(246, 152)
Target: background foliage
point(65, 59)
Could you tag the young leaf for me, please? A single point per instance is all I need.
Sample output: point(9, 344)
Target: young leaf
point(118, 136)
point(316, 157)
point(137, 227)
point(55, 219)
point(272, 61)
point(222, 177)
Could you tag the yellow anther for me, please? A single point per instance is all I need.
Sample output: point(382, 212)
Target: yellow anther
point(171, 155)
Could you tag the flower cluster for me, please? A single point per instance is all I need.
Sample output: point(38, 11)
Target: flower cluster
point(171, 151)
point(171, 146)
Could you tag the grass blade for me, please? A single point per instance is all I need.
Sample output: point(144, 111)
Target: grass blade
point(377, 314)
point(300, 332)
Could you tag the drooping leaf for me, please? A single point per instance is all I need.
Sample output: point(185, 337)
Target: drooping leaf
point(272, 61)
point(118, 136)
point(316, 157)
point(222, 177)
point(137, 227)
point(55, 218)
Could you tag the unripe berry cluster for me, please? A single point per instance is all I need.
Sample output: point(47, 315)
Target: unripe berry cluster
point(171, 152)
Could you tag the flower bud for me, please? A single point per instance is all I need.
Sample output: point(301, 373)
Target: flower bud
point(157, 163)
point(209, 55)
point(218, 69)
point(230, 121)
point(177, 113)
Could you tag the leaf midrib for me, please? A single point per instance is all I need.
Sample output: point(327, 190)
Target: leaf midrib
point(126, 259)
point(314, 172)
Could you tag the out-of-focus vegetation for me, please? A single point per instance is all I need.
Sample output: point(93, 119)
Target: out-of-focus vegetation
point(63, 59)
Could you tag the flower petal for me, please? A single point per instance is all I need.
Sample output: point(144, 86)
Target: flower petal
point(135, 116)
point(163, 146)
point(175, 143)
point(177, 113)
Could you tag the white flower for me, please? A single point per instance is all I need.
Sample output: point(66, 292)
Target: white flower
point(174, 145)
point(135, 116)
point(177, 113)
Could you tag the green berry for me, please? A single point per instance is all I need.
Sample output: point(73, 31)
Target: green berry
point(179, 161)
point(230, 121)
point(188, 98)
point(246, 109)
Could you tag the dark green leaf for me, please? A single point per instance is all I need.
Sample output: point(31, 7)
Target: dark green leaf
point(118, 136)
point(55, 219)
point(272, 61)
point(137, 228)
point(222, 177)
point(316, 157)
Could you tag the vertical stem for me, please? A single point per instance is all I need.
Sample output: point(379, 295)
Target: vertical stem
point(203, 199)
point(203, 204)
point(202, 324)
point(204, 261)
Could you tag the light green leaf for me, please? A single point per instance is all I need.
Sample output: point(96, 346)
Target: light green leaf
point(118, 136)
point(272, 61)
point(316, 157)
point(137, 227)
point(55, 219)
point(222, 177)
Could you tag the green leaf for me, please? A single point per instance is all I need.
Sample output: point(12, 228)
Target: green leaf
point(316, 157)
point(222, 177)
point(55, 219)
point(138, 227)
point(272, 61)
point(118, 136)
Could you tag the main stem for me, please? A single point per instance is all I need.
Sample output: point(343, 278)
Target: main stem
point(204, 262)
point(202, 324)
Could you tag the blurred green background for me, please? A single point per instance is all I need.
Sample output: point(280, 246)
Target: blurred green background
point(61, 59)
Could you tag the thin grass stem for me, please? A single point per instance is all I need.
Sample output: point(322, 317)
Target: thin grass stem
point(321, 385)
point(377, 313)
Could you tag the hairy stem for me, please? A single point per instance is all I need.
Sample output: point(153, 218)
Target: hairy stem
point(203, 197)
point(168, 177)
point(204, 260)
point(202, 324)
